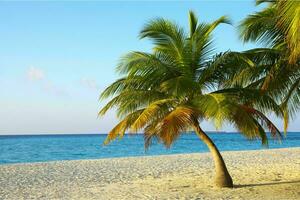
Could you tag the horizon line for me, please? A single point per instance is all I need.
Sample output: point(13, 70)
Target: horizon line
point(139, 133)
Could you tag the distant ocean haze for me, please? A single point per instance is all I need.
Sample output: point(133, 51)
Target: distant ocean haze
point(41, 148)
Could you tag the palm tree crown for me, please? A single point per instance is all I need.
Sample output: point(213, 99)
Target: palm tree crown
point(167, 91)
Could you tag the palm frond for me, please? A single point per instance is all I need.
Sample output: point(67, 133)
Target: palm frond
point(167, 36)
point(289, 21)
point(169, 128)
point(122, 126)
point(261, 27)
point(193, 22)
point(264, 120)
point(150, 111)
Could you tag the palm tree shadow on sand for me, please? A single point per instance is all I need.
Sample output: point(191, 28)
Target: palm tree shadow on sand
point(266, 184)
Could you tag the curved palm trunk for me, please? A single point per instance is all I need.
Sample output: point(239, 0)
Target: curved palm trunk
point(223, 178)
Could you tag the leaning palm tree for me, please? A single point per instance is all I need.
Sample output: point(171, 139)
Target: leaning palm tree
point(172, 89)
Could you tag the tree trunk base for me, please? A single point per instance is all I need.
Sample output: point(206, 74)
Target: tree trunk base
point(223, 178)
point(224, 181)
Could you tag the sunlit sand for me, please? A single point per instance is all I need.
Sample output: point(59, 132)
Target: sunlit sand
point(264, 174)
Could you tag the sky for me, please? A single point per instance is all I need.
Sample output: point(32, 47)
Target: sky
point(56, 57)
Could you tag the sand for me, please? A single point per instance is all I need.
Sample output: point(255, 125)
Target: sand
point(263, 174)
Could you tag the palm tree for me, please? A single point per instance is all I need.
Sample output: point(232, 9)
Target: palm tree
point(276, 26)
point(277, 67)
point(170, 90)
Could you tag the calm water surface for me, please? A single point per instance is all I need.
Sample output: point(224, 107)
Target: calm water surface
point(37, 148)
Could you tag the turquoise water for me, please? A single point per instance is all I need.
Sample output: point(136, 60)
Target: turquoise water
point(37, 148)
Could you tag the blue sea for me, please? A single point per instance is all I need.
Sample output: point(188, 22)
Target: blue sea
point(40, 148)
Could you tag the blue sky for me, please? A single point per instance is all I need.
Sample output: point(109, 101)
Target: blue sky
point(56, 57)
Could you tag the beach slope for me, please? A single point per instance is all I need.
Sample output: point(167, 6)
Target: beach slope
point(263, 174)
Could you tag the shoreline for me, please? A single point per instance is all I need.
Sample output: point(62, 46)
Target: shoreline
point(257, 174)
point(146, 156)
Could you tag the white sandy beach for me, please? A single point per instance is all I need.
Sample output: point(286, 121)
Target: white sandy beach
point(264, 174)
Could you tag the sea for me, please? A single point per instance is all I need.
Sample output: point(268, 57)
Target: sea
point(44, 148)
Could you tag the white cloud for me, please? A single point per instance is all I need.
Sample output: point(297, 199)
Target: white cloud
point(38, 76)
point(35, 74)
point(89, 83)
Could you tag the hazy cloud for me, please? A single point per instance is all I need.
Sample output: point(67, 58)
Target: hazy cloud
point(35, 74)
point(89, 83)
